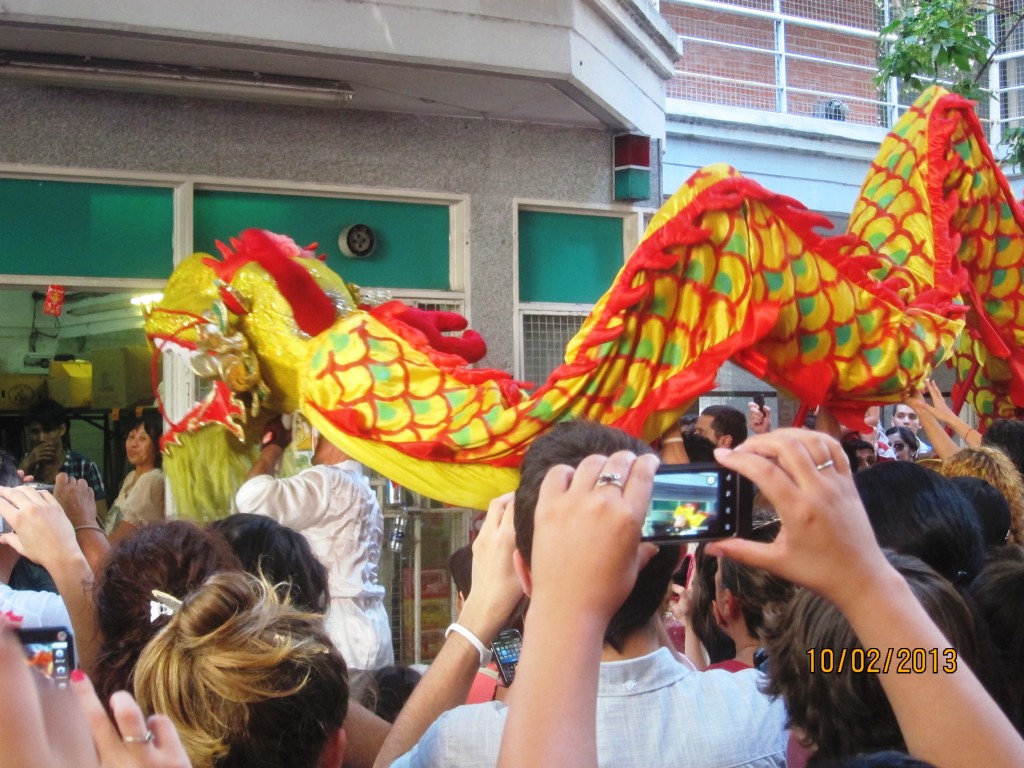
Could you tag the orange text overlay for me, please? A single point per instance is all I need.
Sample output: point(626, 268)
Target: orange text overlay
point(902, 661)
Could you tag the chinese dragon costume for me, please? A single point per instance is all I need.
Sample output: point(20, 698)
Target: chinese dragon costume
point(929, 271)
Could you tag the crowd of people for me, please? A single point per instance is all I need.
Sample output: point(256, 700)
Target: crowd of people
point(871, 617)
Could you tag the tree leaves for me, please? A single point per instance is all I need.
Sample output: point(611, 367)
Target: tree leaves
point(944, 42)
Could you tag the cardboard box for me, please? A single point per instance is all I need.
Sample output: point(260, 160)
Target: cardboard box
point(19, 390)
point(122, 377)
point(70, 383)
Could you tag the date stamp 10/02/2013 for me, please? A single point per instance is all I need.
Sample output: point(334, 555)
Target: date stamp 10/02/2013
point(903, 661)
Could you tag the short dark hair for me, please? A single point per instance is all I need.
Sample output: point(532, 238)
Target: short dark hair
point(757, 590)
point(843, 713)
point(719, 646)
point(49, 414)
point(460, 567)
point(278, 554)
point(569, 443)
point(8, 471)
point(1008, 435)
point(887, 759)
point(726, 420)
point(394, 686)
point(996, 593)
point(991, 506)
point(921, 513)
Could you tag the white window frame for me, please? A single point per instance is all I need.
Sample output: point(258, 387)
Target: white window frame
point(632, 217)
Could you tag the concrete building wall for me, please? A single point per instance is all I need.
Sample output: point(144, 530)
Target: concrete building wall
point(491, 161)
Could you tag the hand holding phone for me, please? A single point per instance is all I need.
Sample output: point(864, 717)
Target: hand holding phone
point(50, 651)
point(506, 648)
point(697, 502)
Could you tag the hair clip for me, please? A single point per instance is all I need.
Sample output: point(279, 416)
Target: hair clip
point(164, 605)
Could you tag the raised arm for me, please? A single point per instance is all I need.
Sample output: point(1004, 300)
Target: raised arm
point(496, 590)
point(576, 589)
point(948, 720)
point(78, 501)
point(935, 416)
point(43, 533)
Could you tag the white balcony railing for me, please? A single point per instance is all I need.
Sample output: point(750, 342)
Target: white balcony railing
point(816, 58)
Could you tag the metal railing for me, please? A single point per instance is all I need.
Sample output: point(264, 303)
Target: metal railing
point(741, 55)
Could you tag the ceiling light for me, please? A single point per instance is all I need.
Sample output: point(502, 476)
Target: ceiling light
point(200, 82)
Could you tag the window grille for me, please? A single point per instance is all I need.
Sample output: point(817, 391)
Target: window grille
point(545, 336)
point(819, 58)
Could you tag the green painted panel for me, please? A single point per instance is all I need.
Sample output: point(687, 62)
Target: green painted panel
point(567, 257)
point(412, 248)
point(85, 230)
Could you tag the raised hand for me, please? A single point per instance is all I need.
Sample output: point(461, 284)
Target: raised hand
point(807, 477)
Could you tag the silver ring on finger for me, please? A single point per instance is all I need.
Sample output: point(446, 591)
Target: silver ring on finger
point(139, 739)
point(824, 465)
point(609, 478)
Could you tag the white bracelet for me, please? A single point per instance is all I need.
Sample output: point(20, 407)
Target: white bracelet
point(485, 652)
point(666, 440)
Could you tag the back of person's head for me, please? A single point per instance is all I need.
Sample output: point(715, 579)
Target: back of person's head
point(49, 414)
point(921, 513)
point(460, 567)
point(998, 595)
point(569, 443)
point(153, 424)
point(719, 646)
point(991, 507)
point(844, 713)
point(688, 422)
point(175, 557)
point(394, 685)
point(248, 681)
point(757, 590)
point(726, 420)
point(698, 448)
point(994, 467)
point(887, 759)
point(279, 555)
point(1008, 436)
point(8, 471)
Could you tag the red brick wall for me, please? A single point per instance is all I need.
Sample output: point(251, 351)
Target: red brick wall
point(824, 79)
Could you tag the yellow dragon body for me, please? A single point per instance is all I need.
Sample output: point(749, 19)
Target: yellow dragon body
point(929, 269)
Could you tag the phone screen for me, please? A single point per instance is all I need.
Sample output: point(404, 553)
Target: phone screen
point(506, 648)
point(697, 502)
point(49, 650)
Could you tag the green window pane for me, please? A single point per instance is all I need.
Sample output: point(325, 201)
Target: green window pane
point(412, 248)
point(567, 257)
point(85, 230)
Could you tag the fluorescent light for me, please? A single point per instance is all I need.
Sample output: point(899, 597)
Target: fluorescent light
point(147, 299)
point(110, 74)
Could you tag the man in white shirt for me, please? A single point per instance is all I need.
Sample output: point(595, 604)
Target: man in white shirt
point(905, 416)
point(651, 709)
point(333, 506)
